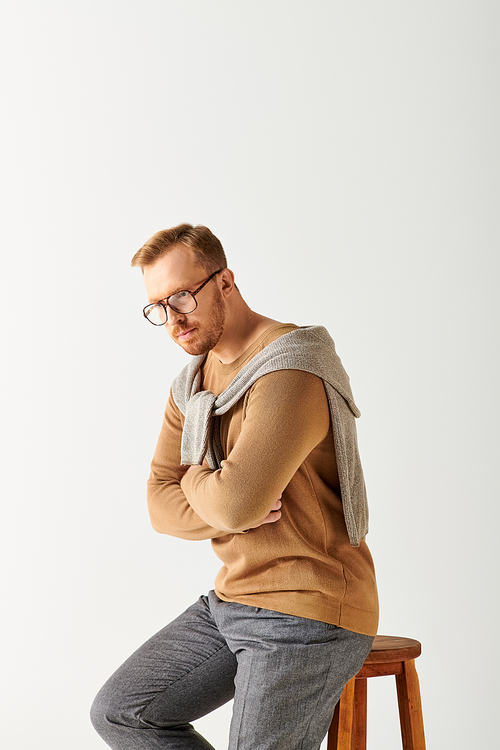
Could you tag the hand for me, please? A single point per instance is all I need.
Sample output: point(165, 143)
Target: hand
point(273, 515)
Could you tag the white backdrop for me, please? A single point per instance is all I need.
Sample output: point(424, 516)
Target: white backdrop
point(346, 154)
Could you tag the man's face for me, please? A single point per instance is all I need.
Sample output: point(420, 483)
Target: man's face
point(199, 331)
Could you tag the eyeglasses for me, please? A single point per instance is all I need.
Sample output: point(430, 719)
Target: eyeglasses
point(183, 302)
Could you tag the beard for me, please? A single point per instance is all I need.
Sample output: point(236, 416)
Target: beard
point(208, 330)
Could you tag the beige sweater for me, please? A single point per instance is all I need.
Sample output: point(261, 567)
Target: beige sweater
point(310, 349)
point(276, 439)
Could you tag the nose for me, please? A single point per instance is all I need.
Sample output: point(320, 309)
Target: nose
point(174, 317)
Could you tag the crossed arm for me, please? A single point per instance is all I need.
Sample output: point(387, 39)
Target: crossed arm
point(286, 416)
point(273, 515)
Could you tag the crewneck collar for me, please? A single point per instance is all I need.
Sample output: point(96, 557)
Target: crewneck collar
point(222, 368)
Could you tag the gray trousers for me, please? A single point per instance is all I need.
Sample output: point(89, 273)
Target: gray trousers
point(285, 674)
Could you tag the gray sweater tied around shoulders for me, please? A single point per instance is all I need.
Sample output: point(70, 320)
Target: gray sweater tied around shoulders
point(310, 349)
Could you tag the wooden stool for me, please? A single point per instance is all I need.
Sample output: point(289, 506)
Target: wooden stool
point(389, 655)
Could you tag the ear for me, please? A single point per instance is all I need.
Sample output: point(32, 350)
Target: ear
point(226, 282)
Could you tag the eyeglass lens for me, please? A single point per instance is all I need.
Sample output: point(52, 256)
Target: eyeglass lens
point(182, 302)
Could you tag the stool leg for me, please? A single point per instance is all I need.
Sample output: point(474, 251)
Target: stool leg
point(410, 708)
point(358, 741)
point(340, 733)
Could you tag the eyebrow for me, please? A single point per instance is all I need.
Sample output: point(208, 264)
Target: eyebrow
point(160, 299)
point(184, 289)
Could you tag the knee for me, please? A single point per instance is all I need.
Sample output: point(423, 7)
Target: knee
point(110, 711)
point(115, 708)
point(99, 712)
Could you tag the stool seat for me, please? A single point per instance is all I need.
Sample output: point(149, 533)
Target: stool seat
point(393, 648)
point(390, 655)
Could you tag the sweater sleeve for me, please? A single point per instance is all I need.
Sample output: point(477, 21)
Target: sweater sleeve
point(169, 509)
point(286, 416)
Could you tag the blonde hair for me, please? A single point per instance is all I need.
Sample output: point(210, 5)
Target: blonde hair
point(205, 245)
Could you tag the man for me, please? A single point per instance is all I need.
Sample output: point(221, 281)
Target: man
point(258, 453)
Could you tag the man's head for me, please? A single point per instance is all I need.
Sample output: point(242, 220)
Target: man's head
point(205, 246)
point(181, 259)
